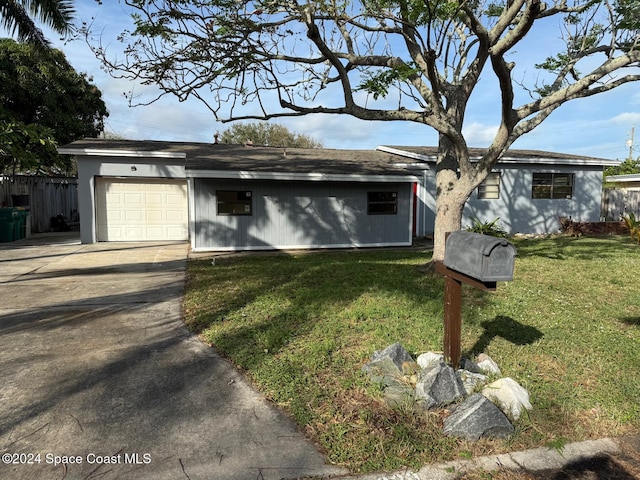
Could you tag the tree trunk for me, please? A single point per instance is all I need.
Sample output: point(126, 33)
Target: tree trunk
point(449, 206)
point(452, 192)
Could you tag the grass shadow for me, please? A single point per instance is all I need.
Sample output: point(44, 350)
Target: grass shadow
point(260, 303)
point(568, 248)
point(633, 321)
point(506, 328)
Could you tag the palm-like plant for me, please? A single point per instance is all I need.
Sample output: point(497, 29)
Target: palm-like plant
point(634, 226)
point(19, 17)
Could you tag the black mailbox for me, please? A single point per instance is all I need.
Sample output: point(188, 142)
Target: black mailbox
point(485, 258)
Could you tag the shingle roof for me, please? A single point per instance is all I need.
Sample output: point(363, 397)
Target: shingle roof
point(261, 159)
point(222, 157)
point(294, 160)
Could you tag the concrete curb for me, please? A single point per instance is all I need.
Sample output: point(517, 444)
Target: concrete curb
point(536, 460)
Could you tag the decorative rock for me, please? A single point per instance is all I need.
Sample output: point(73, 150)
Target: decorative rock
point(392, 361)
point(438, 385)
point(509, 395)
point(487, 365)
point(470, 366)
point(399, 396)
point(471, 381)
point(477, 417)
point(425, 360)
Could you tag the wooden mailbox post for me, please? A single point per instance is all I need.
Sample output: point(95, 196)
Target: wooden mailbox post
point(477, 260)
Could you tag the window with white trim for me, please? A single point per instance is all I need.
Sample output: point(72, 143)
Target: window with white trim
point(234, 202)
point(552, 185)
point(489, 189)
point(382, 203)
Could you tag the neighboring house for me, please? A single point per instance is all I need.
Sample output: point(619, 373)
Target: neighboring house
point(236, 197)
point(630, 181)
point(622, 196)
point(527, 189)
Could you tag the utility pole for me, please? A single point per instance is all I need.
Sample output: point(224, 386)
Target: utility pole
point(630, 143)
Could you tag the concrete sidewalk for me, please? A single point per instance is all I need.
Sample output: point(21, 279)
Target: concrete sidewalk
point(602, 459)
point(100, 379)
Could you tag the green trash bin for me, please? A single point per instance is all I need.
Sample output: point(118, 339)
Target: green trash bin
point(8, 220)
point(21, 228)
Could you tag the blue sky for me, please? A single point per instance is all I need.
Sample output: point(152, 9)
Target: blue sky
point(598, 126)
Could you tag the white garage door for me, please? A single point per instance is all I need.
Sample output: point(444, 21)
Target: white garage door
point(140, 210)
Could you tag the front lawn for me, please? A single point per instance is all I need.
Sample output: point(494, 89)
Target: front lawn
point(301, 327)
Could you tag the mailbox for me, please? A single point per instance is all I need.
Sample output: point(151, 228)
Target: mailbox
point(484, 258)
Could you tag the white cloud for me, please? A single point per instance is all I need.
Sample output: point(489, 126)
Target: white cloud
point(478, 134)
point(626, 119)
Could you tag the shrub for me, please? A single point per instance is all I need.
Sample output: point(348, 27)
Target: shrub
point(634, 226)
point(493, 229)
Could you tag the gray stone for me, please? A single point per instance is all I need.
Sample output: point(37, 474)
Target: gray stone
point(487, 365)
point(471, 381)
point(399, 397)
point(477, 417)
point(438, 385)
point(470, 366)
point(425, 360)
point(509, 395)
point(390, 362)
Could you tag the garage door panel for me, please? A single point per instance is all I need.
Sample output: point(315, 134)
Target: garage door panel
point(153, 198)
point(133, 215)
point(174, 199)
point(155, 216)
point(114, 198)
point(132, 199)
point(139, 210)
point(175, 215)
point(114, 216)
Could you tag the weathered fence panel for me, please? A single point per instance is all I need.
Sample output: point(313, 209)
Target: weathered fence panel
point(44, 197)
point(619, 201)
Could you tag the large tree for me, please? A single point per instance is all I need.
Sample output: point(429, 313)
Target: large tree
point(20, 16)
point(264, 133)
point(40, 93)
point(408, 60)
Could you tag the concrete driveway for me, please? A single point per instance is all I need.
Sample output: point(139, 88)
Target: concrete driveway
point(100, 379)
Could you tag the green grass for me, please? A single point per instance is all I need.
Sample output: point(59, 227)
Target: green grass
point(301, 327)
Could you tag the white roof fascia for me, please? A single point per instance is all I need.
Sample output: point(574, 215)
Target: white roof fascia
point(318, 177)
point(586, 162)
point(413, 166)
point(404, 153)
point(94, 152)
point(510, 159)
point(631, 177)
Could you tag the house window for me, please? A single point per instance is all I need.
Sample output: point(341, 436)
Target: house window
point(234, 202)
point(552, 185)
point(490, 187)
point(382, 203)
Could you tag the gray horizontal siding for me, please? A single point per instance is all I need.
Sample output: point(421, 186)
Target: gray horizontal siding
point(517, 211)
point(299, 215)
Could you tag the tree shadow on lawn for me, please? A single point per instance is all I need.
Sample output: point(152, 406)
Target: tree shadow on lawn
point(633, 321)
point(300, 288)
point(570, 248)
point(507, 328)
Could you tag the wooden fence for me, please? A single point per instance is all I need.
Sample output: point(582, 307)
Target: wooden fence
point(44, 197)
point(619, 201)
